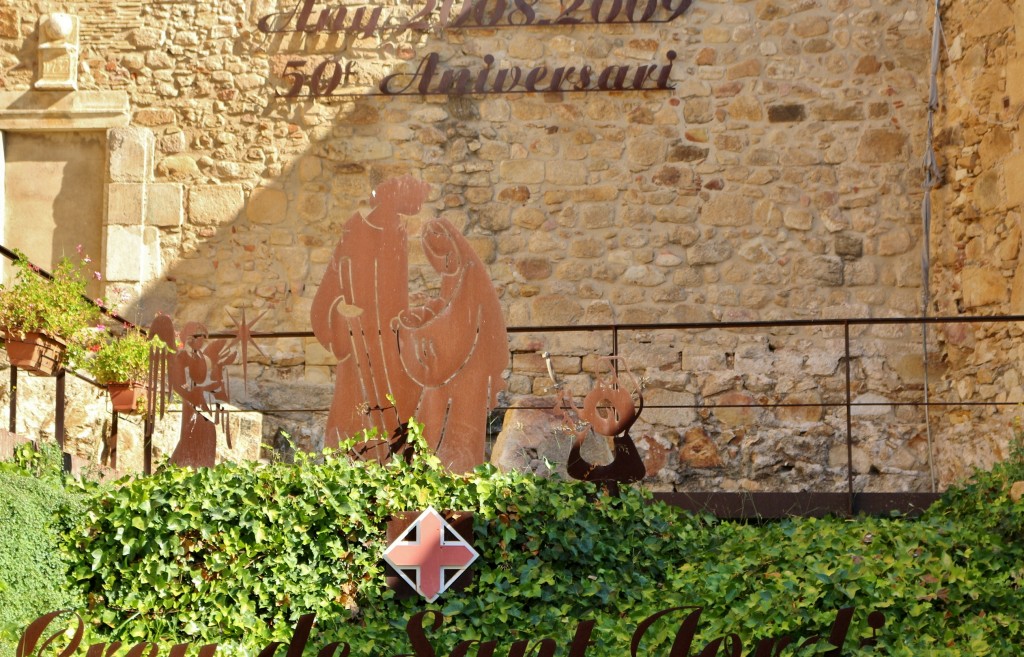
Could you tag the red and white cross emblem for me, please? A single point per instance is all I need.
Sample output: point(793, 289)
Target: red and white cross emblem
point(433, 552)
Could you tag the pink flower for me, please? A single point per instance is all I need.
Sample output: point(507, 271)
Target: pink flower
point(78, 248)
point(98, 276)
point(86, 259)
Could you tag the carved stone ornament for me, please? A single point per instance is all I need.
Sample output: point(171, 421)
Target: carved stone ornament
point(58, 52)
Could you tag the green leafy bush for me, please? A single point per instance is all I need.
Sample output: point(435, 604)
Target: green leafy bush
point(235, 555)
point(35, 508)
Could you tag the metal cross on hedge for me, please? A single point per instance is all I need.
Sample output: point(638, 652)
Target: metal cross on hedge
point(430, 555)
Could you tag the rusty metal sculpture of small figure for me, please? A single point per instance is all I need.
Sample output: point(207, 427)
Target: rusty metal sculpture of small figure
point(609, 411)
point(195, 371)
point(440, 361)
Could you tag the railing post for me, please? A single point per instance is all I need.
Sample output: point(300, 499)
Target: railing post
point(13, 422)
point(147, 443)
point(111, 447)
point(615, 348)
point(58, 420)
point(849, 421)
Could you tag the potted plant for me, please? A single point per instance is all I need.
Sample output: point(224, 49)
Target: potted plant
point(46, 323)
point(121, 363)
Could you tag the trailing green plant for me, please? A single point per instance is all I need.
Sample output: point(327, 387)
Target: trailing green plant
point(57, 307)
point(236, 554)
point(123, 358)
point(35, 509)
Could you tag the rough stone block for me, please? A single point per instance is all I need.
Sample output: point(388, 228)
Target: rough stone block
point(178, 167)
point(165, 204)
point(988, 191)
point(566, 173)
point(145, 37)
point(726, 210)
point(849, 246)
point(555, 309)
point(154, 116)
point(995, 17)
point(750, 68)
point(214, 204)
point(645, 152)
point(130, 154)
point(1013, 179)
point(826, 270)
point(882, 145)
point(522, 171)
point(10, 23)
point(983, 287)
point(746, 108)
point(316, 355)
point(810, 27)
point(708, 253)
point(786, 113)
point(126, 203)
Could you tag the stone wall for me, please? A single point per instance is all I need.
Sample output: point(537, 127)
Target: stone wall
point(777, 180)
point(977, 268)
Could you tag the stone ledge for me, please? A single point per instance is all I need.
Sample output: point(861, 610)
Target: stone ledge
point(61, 110)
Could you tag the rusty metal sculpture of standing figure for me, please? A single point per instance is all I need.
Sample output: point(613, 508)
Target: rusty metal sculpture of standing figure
point(440, 362)
point(195, 371)
point(609, 410)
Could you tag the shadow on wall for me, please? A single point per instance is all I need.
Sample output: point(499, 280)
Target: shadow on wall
point(711, 202)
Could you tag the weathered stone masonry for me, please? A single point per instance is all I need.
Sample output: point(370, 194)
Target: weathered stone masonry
point(778, 179)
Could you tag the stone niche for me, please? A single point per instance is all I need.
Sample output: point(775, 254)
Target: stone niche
point(72, 171)
point(54, 195)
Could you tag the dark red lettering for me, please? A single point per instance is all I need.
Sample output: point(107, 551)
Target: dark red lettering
point(499, 79)
point(643, 73)
point(543, 648)
point(32, 634)
point(620, 77)
point(455, 81)
point(666, 71)
point(300, 636)
point(425, 72)
point(535, 76)
point(561, 74)
point(684, 636)
point(417, 638)
point(581, 640)
point(584, 81)
point(481, 77)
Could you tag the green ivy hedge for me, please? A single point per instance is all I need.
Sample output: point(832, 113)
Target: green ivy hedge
point(35, 509)
point(236, 554)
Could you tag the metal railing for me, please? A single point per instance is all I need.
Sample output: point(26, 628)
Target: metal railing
point(757, 504)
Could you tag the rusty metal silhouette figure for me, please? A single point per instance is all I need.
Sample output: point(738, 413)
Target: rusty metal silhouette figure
point(440, 361)
point(195, 371)
point(609, 411)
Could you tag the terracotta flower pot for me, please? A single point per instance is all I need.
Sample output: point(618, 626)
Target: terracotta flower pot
point(36, 353)
point(126, 397)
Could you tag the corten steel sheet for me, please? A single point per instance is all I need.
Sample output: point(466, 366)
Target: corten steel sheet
point(609, 411)
point(461, 522)
point(439, 361)
point(195, 371)
point(783, 505)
